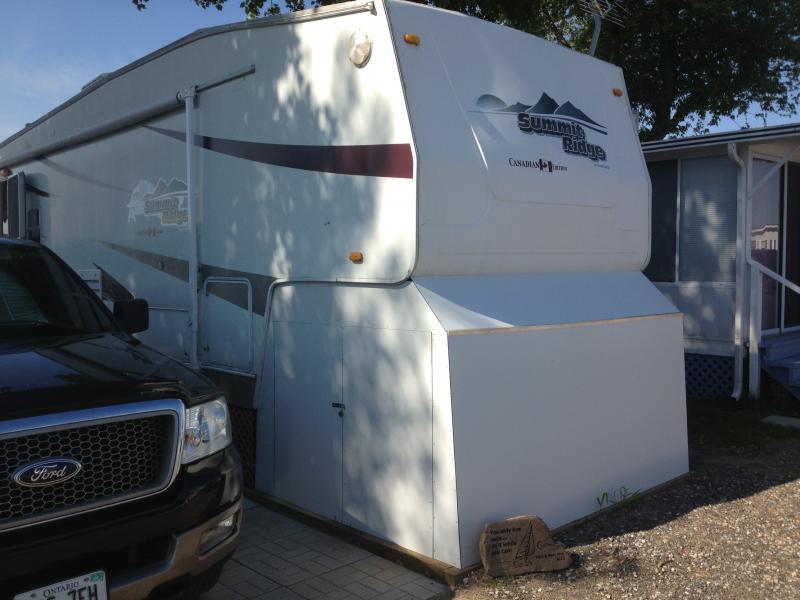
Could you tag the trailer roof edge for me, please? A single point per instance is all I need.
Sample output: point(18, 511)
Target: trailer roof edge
point(310, 14)
point(714, 139)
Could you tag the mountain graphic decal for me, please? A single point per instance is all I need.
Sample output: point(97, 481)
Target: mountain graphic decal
point(516, 108)
point(568, 110)
point(175, 186)
point(489, 102)
point(548, 117)
point(546, 105)
point(168, 201)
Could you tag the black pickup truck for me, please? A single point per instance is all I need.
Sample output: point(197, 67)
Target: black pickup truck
point(117, 475)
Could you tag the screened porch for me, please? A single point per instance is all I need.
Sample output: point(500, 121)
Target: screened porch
point(726, 244)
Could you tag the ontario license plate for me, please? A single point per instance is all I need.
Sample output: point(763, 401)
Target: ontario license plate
point(91, 586)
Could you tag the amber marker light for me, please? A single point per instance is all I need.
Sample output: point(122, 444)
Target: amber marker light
point(412, 38)
point(357, 257)
point(617, 92)
point(5, 172)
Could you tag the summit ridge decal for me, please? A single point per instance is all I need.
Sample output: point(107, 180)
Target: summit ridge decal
point(167, 201)
point(548, 117)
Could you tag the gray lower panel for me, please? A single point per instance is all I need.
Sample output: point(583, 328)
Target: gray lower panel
point(243, 423)
point(240, 391)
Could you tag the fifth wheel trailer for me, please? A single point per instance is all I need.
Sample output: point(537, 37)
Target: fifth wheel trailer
point(408, 242)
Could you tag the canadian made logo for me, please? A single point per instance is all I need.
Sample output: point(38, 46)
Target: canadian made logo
point(166, 201)
point(543, 165)
point(548, 117)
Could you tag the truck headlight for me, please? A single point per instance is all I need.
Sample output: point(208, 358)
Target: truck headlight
point(207, 430)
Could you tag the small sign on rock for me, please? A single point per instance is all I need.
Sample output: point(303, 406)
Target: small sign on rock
point(521, 545)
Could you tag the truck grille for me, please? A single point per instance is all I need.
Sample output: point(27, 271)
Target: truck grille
point(120, 460)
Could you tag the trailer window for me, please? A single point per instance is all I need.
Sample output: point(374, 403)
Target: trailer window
point(12, 207)
point(4, 208)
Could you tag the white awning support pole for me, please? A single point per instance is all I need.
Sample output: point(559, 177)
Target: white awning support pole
point(742, 273)
point(754, 360)
point(194, 260)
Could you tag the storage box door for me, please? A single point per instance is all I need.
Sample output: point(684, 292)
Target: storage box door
point(388, 461)
point(308, 425)
point(227, 324)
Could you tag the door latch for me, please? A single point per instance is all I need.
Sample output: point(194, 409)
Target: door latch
point(340, 406)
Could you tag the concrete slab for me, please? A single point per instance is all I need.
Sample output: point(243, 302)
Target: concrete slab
point(784, 421)
point(279, 557)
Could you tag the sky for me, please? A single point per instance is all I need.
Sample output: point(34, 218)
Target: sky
point(51, 48)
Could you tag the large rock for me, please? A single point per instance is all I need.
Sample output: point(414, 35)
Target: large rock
point(521, 545)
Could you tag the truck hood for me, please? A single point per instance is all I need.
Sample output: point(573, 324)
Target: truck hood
point(44, 375)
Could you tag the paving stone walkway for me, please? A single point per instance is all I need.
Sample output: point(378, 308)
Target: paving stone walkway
point(283, 559)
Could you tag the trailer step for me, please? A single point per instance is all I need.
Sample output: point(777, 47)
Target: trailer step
point(781, 346)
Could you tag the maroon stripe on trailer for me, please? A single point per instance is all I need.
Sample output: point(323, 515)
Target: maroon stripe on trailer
point(374, 160)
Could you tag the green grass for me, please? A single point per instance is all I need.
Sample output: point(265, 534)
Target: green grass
point(776, 400)
point(738, 427)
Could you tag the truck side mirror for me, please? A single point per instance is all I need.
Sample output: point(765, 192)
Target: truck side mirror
point(133, 315)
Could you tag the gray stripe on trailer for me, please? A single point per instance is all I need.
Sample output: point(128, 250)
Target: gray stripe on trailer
point(179, 269)
point(175, 267)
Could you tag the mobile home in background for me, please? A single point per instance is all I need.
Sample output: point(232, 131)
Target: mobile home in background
point(410, 254)
point(726, 251)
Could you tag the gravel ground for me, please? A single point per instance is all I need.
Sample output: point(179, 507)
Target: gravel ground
point(731, 530)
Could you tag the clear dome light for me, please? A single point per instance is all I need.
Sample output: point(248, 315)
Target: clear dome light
point(359, 48)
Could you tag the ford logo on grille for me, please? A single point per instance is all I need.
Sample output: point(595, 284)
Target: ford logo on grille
point(47, 472)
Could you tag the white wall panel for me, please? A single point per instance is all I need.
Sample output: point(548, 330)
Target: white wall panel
point(546, 421)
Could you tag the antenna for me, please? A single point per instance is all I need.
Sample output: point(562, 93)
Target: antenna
point(613, 11)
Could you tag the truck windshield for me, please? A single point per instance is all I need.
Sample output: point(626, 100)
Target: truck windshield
point(40, 296)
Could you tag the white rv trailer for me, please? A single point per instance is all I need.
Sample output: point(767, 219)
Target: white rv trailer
point(408, 242)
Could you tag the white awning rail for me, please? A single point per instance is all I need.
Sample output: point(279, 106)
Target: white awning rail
point(171, 104)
